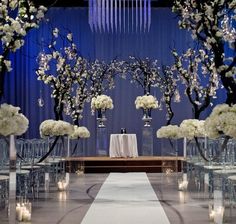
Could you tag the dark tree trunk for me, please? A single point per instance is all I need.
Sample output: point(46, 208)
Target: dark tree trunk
point(230, 87)
point(2, 81)
point(3, 72)
point(58, 110)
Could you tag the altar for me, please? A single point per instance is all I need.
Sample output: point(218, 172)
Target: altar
point(123, 145)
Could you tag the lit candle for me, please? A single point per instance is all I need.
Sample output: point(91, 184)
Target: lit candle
point(62, 185)
point(219, 214)
point(18, 212)
point(212, 215)
point(183, 185)
point(26, 216)
point(59, 185)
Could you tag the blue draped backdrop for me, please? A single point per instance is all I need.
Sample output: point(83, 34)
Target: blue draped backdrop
point(23, 89)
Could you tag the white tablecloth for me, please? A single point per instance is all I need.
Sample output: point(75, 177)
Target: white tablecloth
point(123, 145)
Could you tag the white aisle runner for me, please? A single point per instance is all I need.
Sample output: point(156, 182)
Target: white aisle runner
point(126, 198)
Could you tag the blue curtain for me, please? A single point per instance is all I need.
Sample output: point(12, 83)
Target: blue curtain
point(23, 89)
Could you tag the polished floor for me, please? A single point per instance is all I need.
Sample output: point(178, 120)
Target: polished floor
point(70, 207)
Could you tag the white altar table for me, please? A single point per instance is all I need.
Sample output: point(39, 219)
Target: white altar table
point(123, 145)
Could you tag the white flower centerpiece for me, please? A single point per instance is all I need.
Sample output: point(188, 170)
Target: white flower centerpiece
point(12, 123)
point(100, 104)
point(222, 124)
point(191, 128)
point(147, 103)
point(170, 131)
point(80, 132)
point(49, 128)
point(222, 121)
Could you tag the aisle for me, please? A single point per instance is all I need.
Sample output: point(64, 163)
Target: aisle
point(126, 198)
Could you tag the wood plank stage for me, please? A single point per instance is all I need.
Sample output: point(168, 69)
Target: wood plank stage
point(149, 164)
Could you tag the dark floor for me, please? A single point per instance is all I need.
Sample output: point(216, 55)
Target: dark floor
point(70, 207)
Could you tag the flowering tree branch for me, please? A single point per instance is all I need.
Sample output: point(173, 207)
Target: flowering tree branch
point(211, 24)
point(16, 20)
point(190, 66)
point(102, 75)
point(168, 87)
point(144, 73)
point(62, 69)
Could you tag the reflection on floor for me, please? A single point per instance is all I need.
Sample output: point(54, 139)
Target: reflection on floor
point(70, 207)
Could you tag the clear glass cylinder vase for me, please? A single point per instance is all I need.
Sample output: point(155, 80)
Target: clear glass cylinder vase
point(101, 118)
point(147, 118)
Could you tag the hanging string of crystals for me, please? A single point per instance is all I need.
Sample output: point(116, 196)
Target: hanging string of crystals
point(120, 15)
point(229, 32)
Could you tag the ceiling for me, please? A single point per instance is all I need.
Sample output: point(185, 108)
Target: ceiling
point(84, 3)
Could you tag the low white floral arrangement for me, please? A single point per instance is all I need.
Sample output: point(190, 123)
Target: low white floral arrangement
point(55, 128)
point(222, 120)
point(11, 121)
point(169, 131)
point(146, 102)
point(191, 128)
point(80, 132)
point(102, 102)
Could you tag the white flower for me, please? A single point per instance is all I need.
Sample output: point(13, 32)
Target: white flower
point(101, 102)
point(8, 65)
point(55, 128)
point(69, 36)
point(146, 102)
point(22, 124)
point(80, 132)
point(55, 32)
point(11, 121)
point(191, 128)
point(170, 131)
point(222, 120)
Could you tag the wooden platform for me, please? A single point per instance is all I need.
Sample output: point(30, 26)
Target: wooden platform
point(151, 164)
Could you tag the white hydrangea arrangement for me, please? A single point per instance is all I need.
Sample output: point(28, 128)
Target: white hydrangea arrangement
point(102, 102)
point(191, 128)
point(11, 121)
point(80, 132)
point(55, 128)
point(170, 131)
point(222, 120)
point(146, 102)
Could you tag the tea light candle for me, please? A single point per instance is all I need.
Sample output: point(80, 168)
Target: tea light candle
point(23, 213)
point(219, 214)
point(212, 215)
point(26, 216)
point(19, 212)
point(183, 185)
point(62, 185)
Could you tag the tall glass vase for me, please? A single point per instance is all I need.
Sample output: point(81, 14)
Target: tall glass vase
point(101, 118)
point(102, 135)
point(12, 180)
point(147, 134)
point(147, 117)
